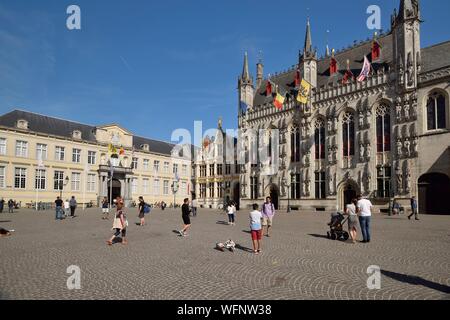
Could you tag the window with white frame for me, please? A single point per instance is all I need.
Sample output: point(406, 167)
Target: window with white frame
point(134, 163)
point(2, 177)
point(91, 183)
point(156, 166)
point(58, 180)
point(20, 178)
point(166, 167)
point(21, 149)
point(40, 182)
point(156, 187)
point(175, 168)
point(145, 164)
point(134, 185)
point(76, 155)
point(183, 188)
point(436, 113)
point(2, 146)
point(60, 153)
point(184, 169)
point(76, 181)
point(145, 186)
point(166, 187)
point(41, 151)
point(92, 157)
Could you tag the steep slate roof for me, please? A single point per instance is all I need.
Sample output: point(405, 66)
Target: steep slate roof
point(64, 128)
point(48, 125)
point(434, 57)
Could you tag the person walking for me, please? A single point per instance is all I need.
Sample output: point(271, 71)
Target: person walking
point(231, 210)
point(141, 208)
point(185, 214)
point(59, 208)
point(414, 209)
point(120, 223)
point(268, 213)
point(352, 219)
point(364, 210)
point(194, 207)
point(105, 208)
point(73, 206)
point(10, 206)
point(256, 229)
point(2, 205)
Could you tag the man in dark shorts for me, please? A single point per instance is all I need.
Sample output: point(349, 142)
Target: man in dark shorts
point(185, 214)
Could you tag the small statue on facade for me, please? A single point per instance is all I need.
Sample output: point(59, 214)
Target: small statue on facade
point(410, 72)
point(398, 109)
point(368, 152)
point(415, 146)
point(329, 125)
point(408, 178)
point(406, 111)
point(330, 155)
point(399, 148)
point(361, 120)
point(361, 152)
point(408, 148)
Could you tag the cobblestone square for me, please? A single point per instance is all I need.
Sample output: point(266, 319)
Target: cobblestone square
point(297, 262)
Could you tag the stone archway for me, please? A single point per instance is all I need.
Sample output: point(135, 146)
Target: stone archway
point(434, 190)
point(347, 191)
point(273, 192)
point(116, 189)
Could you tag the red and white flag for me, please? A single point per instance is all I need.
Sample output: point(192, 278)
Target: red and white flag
point(365, 70)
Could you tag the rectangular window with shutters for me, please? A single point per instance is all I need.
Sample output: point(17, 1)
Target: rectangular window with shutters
point(20, 178)
point(145, 188)
point(59, 153)
point(2, 146)
point(76, 181)
point(2, 177)
point(165, 187)
point(41, 151)
point(21, 149)
point(91, 185)
point(76, 155)
point(58, 180)
point(40, 183)
point(156, 187)
point(91, 157)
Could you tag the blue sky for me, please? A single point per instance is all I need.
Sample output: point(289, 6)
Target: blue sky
point(154, 66)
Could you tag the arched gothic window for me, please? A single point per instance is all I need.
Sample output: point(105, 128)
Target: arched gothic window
point(319, 138)
point(348, 134)
point(295, 144)
point(436, 111)
point(383, 129)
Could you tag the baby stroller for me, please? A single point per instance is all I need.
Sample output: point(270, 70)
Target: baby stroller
point(337, 227)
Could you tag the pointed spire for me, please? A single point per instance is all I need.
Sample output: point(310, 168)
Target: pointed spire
point(327, 51)
point(408, 9)
point(308, 42)
point(245, 70)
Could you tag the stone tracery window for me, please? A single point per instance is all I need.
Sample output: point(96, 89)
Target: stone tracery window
point(295, 144)
point(319, 138)
point(383, 129)
point(436, 113)
point(348, 134)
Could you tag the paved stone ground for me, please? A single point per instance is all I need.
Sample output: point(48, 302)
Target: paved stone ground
point(297, 262)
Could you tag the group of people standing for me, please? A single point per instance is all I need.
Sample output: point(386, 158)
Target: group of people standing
point(11, 205)
point(65, 208)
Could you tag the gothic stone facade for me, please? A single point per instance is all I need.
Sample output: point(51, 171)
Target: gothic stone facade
point(386, 137)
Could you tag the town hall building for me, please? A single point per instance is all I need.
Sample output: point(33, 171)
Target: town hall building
point(385, 136)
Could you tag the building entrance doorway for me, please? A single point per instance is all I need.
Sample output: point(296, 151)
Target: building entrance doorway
point(116, 190)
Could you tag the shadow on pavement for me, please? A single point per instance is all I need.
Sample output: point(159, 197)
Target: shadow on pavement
point(247, 231)
point(239, 247)
point(5, 221)
point(418, 281)
point(222, 222)
point(318, 236)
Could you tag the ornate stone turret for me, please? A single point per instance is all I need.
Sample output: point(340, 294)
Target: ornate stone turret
point(308, 59)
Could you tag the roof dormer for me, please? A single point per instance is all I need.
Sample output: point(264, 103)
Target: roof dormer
point(22, 124)
point(145, 147)
point(76, 134)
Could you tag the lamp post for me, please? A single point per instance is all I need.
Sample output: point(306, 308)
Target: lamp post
point(62, 184)
point(174, 190)
point(286, 185)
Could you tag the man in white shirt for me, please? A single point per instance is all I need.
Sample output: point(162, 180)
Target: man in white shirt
point(256, 228)
point(365, 214)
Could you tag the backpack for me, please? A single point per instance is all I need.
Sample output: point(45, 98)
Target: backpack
point(146, 209)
